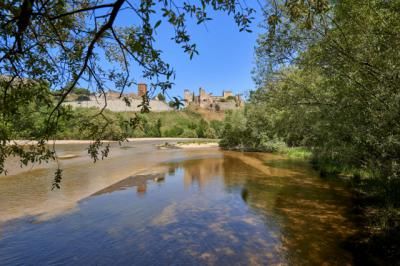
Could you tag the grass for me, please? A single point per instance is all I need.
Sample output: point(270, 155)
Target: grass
point(299, 153)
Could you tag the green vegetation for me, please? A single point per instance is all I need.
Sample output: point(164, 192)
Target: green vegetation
point(183, 124)
point(231, 98)
point(296, 153)
point(329, 82)
point(81, 91)
point(81, 98)
point(161, 97)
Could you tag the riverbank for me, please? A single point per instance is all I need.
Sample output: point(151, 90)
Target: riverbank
point(190, 144)
point(77, 141)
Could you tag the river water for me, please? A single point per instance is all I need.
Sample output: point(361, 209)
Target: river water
point(145, 206)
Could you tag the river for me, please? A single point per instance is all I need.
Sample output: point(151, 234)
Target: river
point(147, 206)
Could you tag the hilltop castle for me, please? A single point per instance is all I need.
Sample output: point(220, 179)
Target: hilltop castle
point(205, 100)
point(116, 104)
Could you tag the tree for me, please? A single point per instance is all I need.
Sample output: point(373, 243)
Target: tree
point(60, 43)
point(231, 98)
point(330, 81)
point(161, 97)
point(343, 80)
point(81, 91)
point(82, 98)
point(158, 127)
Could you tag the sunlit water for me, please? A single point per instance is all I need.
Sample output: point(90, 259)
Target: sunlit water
point(194, 207)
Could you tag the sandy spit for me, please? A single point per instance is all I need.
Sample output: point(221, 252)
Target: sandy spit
point(197, 145)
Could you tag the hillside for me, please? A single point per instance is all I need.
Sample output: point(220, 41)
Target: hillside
point(207, 114)
point(184, 123)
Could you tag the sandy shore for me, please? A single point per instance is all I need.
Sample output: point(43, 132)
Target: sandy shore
point(197, 145)
point(186, 143)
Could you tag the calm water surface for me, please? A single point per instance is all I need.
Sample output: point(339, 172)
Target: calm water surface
point(194, 207)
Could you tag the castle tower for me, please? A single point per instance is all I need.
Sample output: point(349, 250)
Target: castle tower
point(226, 94)
point(142, 89)
point(188, 96)
point(202, 94)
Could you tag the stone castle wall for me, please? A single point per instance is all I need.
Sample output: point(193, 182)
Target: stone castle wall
point(118, 105)
point(142, 89)
point(115, 102)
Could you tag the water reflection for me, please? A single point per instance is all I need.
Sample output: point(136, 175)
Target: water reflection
point(312, 213)
point(199, 172)
point(217, 209)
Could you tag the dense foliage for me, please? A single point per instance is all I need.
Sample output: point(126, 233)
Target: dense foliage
point(332, 84)
point(80, 123)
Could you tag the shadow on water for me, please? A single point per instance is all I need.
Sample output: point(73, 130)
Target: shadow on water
point(235, 209)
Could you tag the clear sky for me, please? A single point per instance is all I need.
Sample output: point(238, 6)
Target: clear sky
point(225, 60)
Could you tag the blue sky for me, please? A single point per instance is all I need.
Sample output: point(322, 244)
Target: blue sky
point(225, 60)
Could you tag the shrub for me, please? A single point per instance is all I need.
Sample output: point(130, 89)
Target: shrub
point(82, 98)
point(189, 133)
point(218, 127)
point(210, 133)
point(173, 132)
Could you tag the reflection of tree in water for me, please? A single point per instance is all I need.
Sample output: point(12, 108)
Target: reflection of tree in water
point(307, 214)
point(311, 212)
point(214, 227)
point(199, 172)
point(251, 183)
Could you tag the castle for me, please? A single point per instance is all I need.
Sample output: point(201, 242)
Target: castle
point(205, 100)
point(113, 102)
